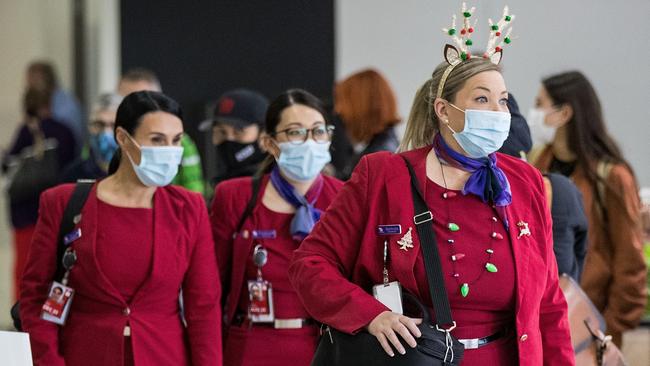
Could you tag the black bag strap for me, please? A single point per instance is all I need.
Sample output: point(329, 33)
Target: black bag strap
point(423, 220)
point(257, 180)
point(72, 209)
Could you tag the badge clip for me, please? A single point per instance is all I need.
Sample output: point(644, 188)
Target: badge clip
point(72, 236)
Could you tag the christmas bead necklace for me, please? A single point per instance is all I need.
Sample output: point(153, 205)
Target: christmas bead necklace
point(455, 257)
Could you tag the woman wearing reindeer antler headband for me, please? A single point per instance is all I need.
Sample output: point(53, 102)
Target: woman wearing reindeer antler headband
point(448, 210)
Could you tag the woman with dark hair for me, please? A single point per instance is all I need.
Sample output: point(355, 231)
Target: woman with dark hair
point(138, 243)
point(367, 106)
point(614, 272)
point(258, 222)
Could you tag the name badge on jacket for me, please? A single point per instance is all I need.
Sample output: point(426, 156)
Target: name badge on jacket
point(394, 229)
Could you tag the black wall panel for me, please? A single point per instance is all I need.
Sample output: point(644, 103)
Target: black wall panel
point(201, 48)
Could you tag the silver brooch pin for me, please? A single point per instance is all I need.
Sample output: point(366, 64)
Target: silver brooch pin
point(406, 241)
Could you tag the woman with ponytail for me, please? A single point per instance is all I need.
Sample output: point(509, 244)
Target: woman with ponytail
point(258, 222)
point(492, 231)
point(137, 243)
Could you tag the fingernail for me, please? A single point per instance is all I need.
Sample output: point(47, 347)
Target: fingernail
point(392, 354)
point(402, 351)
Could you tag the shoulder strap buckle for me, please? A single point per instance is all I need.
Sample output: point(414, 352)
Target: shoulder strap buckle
point(422, 218)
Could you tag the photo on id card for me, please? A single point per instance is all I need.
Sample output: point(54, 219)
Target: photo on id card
point(260, 295)
point(57, 306)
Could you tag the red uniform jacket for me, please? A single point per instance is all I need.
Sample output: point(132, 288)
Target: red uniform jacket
point(230, 200)
point(183, 257)
point(336, 266)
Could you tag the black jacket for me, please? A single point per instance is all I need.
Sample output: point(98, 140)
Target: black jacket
point(383, 141)
point(569, 226)
point(519, 139)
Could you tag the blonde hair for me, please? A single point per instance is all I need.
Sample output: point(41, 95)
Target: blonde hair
point(423, 123)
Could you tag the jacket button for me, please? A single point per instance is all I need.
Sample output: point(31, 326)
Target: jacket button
point(523, 337)
point(126, 311)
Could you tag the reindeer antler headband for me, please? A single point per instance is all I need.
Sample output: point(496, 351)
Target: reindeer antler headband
point(499, 33)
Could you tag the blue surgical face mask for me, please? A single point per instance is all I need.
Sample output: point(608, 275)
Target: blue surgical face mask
point(103, 146)
point(484, 132)
point(158, 164)
point(305, 161)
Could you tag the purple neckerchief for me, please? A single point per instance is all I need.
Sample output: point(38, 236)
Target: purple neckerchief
point(306, 214)
point(487, 180)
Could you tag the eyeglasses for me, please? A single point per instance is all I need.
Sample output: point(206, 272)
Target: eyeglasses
point(321, 134)
point(102, 125)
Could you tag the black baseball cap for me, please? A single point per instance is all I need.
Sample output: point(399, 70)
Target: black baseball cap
point(239, 108)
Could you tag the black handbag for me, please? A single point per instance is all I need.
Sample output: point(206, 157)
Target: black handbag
point(72, 209)
point(33, 174)
point(436, 346)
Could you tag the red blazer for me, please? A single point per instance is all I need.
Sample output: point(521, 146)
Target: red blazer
point(336, 266)
point(230, 200)
point(183, 258)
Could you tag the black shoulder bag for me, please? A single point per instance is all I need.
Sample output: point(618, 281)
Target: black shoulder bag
point(72, 209)
point(436, 346)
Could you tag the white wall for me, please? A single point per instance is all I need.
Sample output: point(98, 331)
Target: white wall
point(607, 40)
point(102, 47)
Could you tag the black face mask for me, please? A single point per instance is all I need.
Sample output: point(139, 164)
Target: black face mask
point(240, 159)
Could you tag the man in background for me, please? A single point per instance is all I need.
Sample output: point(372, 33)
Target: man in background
point(97, 154)
point(236, 126)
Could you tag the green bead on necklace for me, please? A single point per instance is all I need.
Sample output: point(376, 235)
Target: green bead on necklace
point(464, 289)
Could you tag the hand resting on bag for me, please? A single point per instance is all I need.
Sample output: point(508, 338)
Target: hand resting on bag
point(385, 326)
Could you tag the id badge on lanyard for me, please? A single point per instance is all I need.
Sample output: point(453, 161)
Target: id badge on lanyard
point(260, 291)
point(59, 299)
point(57, 306)
point(389, 293)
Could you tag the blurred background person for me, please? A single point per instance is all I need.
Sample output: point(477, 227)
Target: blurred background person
point(137, 79)
point(366, 104)
point(64, 107)
point(615, 271)
point(236, 127)
point(40, 147)
point(97, 153)
point(190, 173)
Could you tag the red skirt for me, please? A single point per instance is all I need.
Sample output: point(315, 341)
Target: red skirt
point(22, 241)
point(265, 346)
